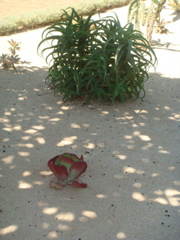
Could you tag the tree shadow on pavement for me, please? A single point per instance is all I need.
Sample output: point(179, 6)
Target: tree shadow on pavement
point(132, 154)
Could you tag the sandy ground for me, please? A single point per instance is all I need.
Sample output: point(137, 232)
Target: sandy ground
point(19, 7)
point(132, 151)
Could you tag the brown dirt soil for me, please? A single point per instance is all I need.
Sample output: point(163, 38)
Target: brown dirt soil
point(18, 7)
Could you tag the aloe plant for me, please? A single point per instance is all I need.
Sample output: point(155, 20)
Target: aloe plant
point(96, 59)
point(175, 5)
point(67, 168)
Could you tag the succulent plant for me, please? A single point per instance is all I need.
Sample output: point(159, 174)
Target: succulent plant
point(67, 168)
point(96, 59)
point(9, 60)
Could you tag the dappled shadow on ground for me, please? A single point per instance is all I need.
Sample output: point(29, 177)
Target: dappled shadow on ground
point(176, 16)
point(132, 155)
point(158, 44)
